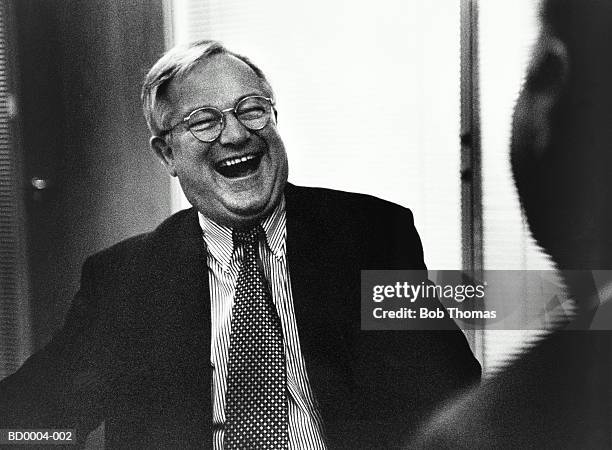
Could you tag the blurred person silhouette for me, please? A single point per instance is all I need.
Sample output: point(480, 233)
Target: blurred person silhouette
point(558, 393)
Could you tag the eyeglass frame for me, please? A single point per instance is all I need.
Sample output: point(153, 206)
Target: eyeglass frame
point(186, 119)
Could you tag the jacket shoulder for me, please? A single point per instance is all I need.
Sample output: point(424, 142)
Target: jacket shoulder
point(379, 232)
point(335, 202)
point(140, 245)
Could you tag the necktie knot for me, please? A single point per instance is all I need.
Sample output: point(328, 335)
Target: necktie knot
point(246, 236)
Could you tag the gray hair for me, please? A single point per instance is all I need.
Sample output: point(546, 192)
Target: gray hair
point(175, 64)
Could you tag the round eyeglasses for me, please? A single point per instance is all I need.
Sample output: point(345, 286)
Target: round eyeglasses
point(207, 123)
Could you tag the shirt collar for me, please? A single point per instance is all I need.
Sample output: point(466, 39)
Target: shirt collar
point(219, 241)
point(275, 229)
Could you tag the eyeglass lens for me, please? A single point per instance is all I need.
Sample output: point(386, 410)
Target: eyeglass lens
point(252, 112)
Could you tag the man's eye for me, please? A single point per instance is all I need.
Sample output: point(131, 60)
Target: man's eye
point(202, 123)
point(254, 112)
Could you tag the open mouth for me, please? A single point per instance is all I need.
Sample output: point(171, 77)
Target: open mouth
point(239, 166)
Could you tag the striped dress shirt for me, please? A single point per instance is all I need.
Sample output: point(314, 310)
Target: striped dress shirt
point(224, 263)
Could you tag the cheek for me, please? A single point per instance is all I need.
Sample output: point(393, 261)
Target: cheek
point(191, 159)
point(276, 148)
point(522, 150)
point(523, 132)
point(194, 175)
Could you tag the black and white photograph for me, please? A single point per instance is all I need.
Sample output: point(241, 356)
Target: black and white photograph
point(306, 225)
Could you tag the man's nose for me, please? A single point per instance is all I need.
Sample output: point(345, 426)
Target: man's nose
point(233, 132)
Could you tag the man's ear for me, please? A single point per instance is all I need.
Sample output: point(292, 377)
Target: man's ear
point(546, 80)
point(164, 152)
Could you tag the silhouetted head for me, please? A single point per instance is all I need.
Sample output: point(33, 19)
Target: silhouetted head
point(562, 134)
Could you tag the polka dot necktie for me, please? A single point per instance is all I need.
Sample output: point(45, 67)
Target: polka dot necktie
point(256, 402)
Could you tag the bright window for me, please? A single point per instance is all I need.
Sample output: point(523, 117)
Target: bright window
point(368, 96)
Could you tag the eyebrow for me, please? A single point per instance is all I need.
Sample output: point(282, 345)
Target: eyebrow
point(189, 111)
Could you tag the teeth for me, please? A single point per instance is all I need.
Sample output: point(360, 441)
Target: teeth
point(231, 162)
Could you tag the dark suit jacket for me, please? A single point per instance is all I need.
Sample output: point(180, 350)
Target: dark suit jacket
point(557, 395)
point(135, 347)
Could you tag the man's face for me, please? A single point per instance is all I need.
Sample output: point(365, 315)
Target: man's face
point(252, 189)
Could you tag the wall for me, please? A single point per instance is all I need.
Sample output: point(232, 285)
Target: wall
point(81, 64)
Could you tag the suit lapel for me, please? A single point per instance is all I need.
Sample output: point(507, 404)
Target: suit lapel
point(180, 300)
point(180, 277)
point(314, 282)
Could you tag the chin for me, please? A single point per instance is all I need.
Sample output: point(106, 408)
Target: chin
point(254, 202)
point(253, 213)
point(236, 214)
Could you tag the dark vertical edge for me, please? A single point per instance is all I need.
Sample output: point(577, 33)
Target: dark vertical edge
point(16, 339)
point(22, 185)
point(471, 176)
point(471, 167)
